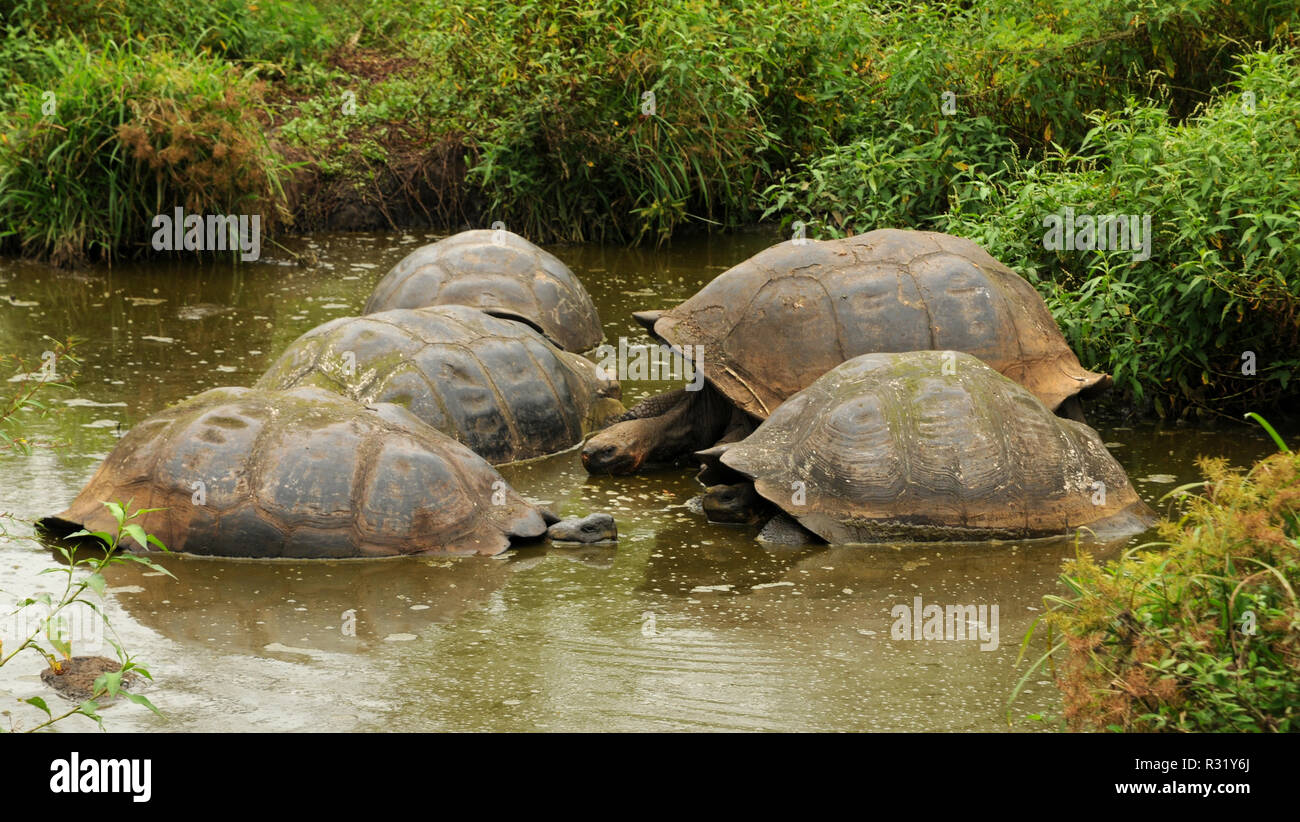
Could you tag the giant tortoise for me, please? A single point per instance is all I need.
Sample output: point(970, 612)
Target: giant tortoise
point(500, 273)
point(494, 384)
point(769, 326)
point(303, 473)
point(926, 446)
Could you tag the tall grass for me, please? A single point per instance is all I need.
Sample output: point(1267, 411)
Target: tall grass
point(125, 133)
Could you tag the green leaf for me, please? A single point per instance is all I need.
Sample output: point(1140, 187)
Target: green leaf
point(137, 533)
point(1272, 432)
point(60, 645)
point(141, 699)
point(118, 513)
point(90, 708)
point(39, 703)
point(144, 561)
point(109, 681)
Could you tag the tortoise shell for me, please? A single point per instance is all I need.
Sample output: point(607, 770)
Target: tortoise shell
point(496, 385)
point(885, 291)
point(303, 473)
point(500, 273)
point(931, 446)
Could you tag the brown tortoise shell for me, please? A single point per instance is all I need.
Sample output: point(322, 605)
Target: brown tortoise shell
point(932, 445)
point(779, 320)
point(500, 273)
point(302, 473)
point(495, 385)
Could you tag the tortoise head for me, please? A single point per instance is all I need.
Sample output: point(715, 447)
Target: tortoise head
point(591, 528)
point(657, 431)
point(622, 448)
point(733, 503)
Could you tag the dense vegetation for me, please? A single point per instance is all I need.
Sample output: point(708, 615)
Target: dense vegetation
point(632, 121)
point(1202, 635)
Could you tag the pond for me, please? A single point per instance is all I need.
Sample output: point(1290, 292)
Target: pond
point(682, 626)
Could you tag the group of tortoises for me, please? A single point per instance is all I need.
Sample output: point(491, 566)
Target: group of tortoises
point(897, 385)
point(377, 435)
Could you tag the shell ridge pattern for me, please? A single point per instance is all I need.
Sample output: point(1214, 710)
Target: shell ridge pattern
point(1016, 316)
point(987, 420)
point(893, 412)
point(769, 279)
point(569, 419)
point(171, 431)
point(925, 303)
point(367, 458)
point(250, 467)
point(835, 317)
point(499, 399)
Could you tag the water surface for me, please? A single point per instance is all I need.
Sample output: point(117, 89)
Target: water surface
point(683, 626)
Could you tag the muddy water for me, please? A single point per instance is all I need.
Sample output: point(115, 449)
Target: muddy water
point(682, 626)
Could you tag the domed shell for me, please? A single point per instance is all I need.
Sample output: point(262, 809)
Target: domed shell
point(495, 385)
point(500, 273)
point(304, 473)
point(884, 291)
point(932, 445)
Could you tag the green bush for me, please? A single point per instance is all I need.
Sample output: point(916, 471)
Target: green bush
point(1221, 290)
point(279, 31)
point(129, 133)
point(1203, 635)
point(1022, 72)
point(565, 142)
point(902, 179)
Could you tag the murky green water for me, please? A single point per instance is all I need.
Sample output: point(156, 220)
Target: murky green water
point(684, 625)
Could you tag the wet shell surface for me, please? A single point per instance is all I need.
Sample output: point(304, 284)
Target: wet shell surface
point(500, 273)
point(779, 320)
point(495, 385)
point(928, 446)
point(303, 473)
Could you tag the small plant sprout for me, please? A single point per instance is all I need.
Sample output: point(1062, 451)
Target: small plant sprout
point(82, 576)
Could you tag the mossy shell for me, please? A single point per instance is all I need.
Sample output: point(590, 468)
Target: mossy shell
point(303, 473)
point(932, 446)
point(496, 385)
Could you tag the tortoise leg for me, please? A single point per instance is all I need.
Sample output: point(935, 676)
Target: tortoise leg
point(1072, 409)
point(784, 529)
point(734, 503)
point(660, 430)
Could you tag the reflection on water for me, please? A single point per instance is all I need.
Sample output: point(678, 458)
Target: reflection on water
point(683, 625)
point(303, 607)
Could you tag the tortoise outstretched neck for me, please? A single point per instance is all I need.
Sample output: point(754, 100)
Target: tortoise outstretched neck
point(660, 430)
